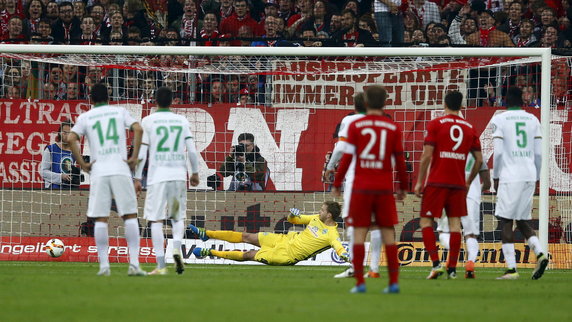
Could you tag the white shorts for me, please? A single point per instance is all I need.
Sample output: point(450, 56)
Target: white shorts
point(103, 189)
point(347, 198)
point(514, 200)
point(167, 199)
point(470, 222)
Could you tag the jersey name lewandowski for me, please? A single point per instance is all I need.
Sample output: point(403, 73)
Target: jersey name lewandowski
point(453, 139)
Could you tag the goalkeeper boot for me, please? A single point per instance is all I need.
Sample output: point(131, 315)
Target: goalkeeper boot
point(179, 265)
point(436, 272)
point(358, 288)
point(371, 274)
point(202, 252)
point(510, 274)
point(200, 232)
point(104, 271)
point(347, 273)
point(159, 271)
point(135, 271)
point(392, 289)
point(541, 264)
point(470, 269)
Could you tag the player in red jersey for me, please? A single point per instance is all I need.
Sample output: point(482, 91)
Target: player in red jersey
point(448, 141)
point(375, 141)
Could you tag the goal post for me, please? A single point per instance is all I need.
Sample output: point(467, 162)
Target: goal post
point(287, 99)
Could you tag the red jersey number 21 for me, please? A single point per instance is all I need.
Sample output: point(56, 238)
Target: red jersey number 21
point(366, 153)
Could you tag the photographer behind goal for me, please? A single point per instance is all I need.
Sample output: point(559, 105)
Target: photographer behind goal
point(246, 166)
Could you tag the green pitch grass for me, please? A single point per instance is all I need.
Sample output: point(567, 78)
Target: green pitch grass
point(33, 291)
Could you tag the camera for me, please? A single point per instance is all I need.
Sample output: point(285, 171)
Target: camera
point(239, 150)
point(243, 182)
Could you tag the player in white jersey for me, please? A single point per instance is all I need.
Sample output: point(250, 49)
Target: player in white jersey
point(471, 222)
point(375, 236)
point(110, 172)
point(166, 136)
point(517, 159)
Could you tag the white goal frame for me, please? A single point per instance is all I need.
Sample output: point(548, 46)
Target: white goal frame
point(543, 54)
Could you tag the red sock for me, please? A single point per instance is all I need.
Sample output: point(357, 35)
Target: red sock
point(430, 243)
point(392, 263)
point(454, 247)
point(359, 254)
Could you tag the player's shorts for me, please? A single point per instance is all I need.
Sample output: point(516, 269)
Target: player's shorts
point(103, 189)
point(166, 199)
point(435, 199)
point(380, 206)
point(470, 222)
point(514, 200)
point(274, 249)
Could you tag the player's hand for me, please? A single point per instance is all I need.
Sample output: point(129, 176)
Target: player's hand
point(66, 177)
point(295, 212)
point(401, 194)
point(138, 186)
point(132, 162)
point(336, 192)
point(328, 176)
point(496, 185)
point(419, 189)
point(86, 166)
point(195, 179)
point(345, 256)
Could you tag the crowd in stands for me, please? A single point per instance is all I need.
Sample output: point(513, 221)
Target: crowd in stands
point(488, 23)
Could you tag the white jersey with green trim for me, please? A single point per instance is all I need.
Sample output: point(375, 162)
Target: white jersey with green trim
point(166, 132)
point(104, 126)
point(518, 130)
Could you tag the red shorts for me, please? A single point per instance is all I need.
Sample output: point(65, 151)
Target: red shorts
point(379, 206)
point(435, 199)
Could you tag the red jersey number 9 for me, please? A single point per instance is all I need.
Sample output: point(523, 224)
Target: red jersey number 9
point(456, 133)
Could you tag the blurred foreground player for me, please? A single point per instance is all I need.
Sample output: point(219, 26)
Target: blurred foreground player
point(375, 142)
point(320, 234)
point(166, 136)
point(448, 141)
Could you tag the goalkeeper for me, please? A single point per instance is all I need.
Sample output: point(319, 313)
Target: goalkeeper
point(320, 234)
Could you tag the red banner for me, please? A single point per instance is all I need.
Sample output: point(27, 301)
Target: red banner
point(294, 141)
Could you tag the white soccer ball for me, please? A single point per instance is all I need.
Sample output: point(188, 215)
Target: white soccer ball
point(54, 247)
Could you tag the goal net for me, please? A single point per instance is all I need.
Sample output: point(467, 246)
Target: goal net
point(291, 101)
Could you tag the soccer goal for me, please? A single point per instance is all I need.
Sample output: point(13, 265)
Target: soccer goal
point(290, 100)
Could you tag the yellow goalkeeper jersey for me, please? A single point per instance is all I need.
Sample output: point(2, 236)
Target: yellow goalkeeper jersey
point(316, 238)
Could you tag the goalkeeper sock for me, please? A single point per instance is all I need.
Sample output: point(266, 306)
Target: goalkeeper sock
point(472, 249)
point(454, 251)
point(101, 235)
point(534, 244)
point(235, 255)
point(229, 236)
point(132, 237)
point(158, 243)
point(375, 252)
point(359, 254)
point(509, 256)
point(392, 263)
point(444, 240)
point(178, 232)
point(429, 242)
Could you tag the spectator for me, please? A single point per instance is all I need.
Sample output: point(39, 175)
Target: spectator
point(34, 12)
point(12, 77)
point(271, 34)
point(16, 33)
point(116, 26)
point(245, 98)
point(116, 39)
point(512, 24)
point(425, 11)
point(245, 34)
point(389, 21)
point(226, 9)
point(79, 9)
point(240, 18)
point(67, 26)
point(49, 91)
point(131, 88)
point(296, 21)
point(438, 31)
point(525, 37)
point(246, 166)
point(70, 73)
point(353, 6)
point(418, 38)
point(57, 168)
point(72, 92)
point(134, 36)
point(366, 23)
point(487, 35)
point(217, 92)
point(88, 35)
point(529, 96)
point(320, 20)
point(550, 38)
point(14, 93)
point(134, 15)
point(52, 12)
point(188, 23)
point(430, 34)
point(233, 88)
point(210, 33)
point(286, 9)
point(97, 12)
point(410, 21)
point(173, 38)
point(462, 26)
point(45, 31)
point(350, 35)
point(271, 9)
point(335, 23)
point(56, 77)
point(309, 38)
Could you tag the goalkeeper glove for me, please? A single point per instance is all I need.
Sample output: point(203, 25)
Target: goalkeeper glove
point(295, 212)
point(345, 256)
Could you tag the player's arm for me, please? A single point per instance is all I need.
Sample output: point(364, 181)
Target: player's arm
point(476, 166)
point(341, 174)
point(193, 159)
point(485, 176)
point(400, 166)
point(137, 136)
point(340, 249)
point(426, 157)
point(73, 140)
point(295, 217)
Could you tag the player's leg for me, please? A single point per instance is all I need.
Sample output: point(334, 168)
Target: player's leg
point(154, 212)
point(507, 237)
point(235, 255)
point(375, 252)
point(471, 230)
point(360, 234)
point(443, 230)
point(177, 211)
point(455, 246)
point(158, 240)
point(432, 207)
point(98, 207)
point(360, 218)
point(126, 200)
point(388, 237)
point(226, 235)
point(508, 197)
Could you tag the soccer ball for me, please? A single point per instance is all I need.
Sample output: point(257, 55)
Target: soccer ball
point(54, 247)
